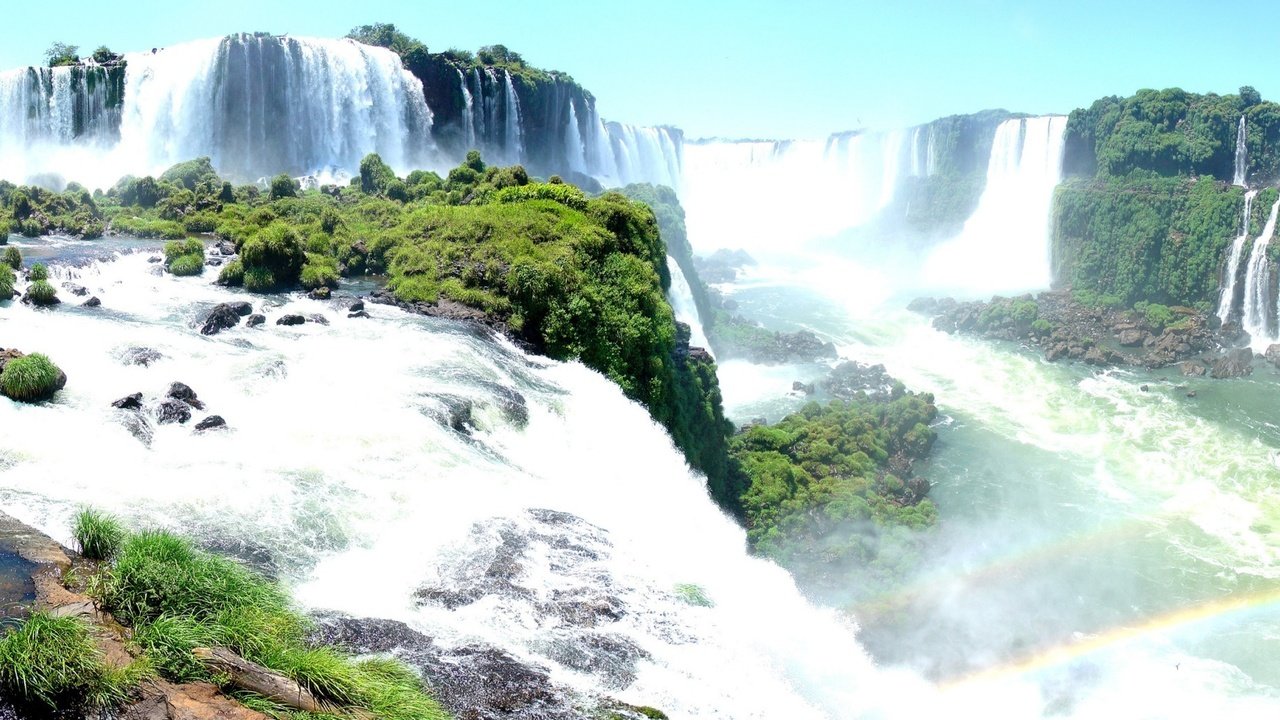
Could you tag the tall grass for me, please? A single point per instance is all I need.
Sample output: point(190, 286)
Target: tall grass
point(98, 535)
point(55, 661)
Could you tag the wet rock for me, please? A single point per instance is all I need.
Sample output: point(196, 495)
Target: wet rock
point(210, 423)
point(222, 317)
point(358, 314)
point(318, 319)
point(1192, 368)
point(356, 306)
point(74, 289)
point(183, 392)
point(92, 302)
point(610, 657)
point(799, 387)
point(129, 402)
point(213, 262)
point(240, 307)
point(155, 259)
point(172, 411)
point(290, 320)
point(850, 378)
point(254, 555)
point(1101, 356)
point(513, 405)
point(1236, 363)
point(320, 293)
point(1272, 354)
point(1132, 337)
point(226, 248)
point(255, 320)
point(140, 356)
point(1191, 393)
point(451, 411)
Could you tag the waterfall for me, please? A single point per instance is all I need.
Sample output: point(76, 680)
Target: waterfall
point(1004, 245)
point(512, 139)
point(357, 516)
point(1227, 302)
point(923, 151)
point(1242, 154)
point(54, 120)
point(731, 189)
point(1256, 317)
point(681, 297)
point(575, 152)
point(468, 120)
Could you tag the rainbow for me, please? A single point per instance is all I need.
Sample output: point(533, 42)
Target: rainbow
point(1158, 624)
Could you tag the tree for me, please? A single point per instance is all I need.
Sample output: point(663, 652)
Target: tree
point(62, 54)
point(499, 55)
point(388, 36)
point(1249, 97)
point(104, 55)
point(283, 186)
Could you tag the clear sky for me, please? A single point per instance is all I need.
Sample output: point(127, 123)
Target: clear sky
point(759, 68)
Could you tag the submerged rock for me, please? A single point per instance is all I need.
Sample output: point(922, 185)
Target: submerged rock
point(1273, 354)
point(129, 402)
point(255, 320)
point(356, 306)
point(241, 307)
point(74, 289)
point(92, 302)
point(183, 392)
point(320, 293)
point(318, 319)
point(140, 356)
point(172, 411)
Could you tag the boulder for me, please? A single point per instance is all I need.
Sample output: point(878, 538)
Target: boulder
point(183, 392)
point(241, 307)
point(318, 319)
point(129, 402)
point(226, 247)
point(255, 320)
point(172, 411)
point(92, 302)
point(1236, 363)
point(356, 306)
point(1192, 368)
point(290, 320)
point(210, 423)
point(358, 314)
point(1273, 354)
point(320, 293)
point(74, 289)
point(1132, 337)
point(222, 317)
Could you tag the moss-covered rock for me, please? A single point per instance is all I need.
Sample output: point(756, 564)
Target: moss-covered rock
point(29, 378)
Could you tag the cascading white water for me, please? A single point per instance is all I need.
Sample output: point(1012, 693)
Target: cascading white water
point(52, 119)
point(336, 463)
point(681, 297)
point(731, 189)
point(513, 135)
point(1242, 154)
point(923, 151)
point(631, 154)
point(574, 150)
point(1004, 246)
point(1258, 290)
point(468, 121)
point(1226, 303)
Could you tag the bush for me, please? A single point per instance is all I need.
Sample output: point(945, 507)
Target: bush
point(320, 271)
point(41, 292)
point(1157, 316)
point(272, 258)
point(13, 258)
point(98, 535)
point(7, 280)
point(283, 186)
point(30, 378)
point(39, 272)
point(187, 265)
point(55, 661)
point(232, 274)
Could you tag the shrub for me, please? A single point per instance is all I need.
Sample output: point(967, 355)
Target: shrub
point(320, 271)
point(42, 293)
point(259, 279)
point(187, 265)
point(13, 258)
point(39, 272)
point(98, 535)
point(7, 280)
point(175, 250)
point(274, 257)
point(55, 661)
point(283, 186)
point(232, 274)
point(30, 378)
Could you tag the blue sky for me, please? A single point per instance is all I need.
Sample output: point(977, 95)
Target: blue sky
point(746, 68)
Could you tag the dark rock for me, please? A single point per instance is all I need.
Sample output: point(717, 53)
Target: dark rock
point(356, 306)
point(140, 356)
point(74, 289)
point(1144, 388)
point(1132, 338)
point(213, 262)
point(318, 319)
point(255, 320)
point(129, 402)
point(290, 320)
point(183, 392)
point(320, 293)
point(1056, 352)
point(1236, 363)
point(799, 387)
point(222, 317)
point(172, 411)
point(211, 422)
point(1191, 393)
point(358, 314)
point(849, 379)
point(92, 302)
point(240, 307)
point(1098, 355)
point(155, 259)
point(226, 247)
point(451, 411)
point(610, 657)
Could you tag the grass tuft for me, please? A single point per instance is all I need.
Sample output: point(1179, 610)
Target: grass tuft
point(98, 535)
point(42, 293)
point(13, 258)
point(30, 378)
point(55, 661)
point(7, 281)
point(39, 272)
point(693, 595)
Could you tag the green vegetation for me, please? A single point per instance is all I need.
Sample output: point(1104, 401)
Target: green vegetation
point(34, 211)
point(1125, 240)
point(828, 491)
point(30, 378)
point(184, 257)
point(41, 292)
point(8, 278)
point(13, 258)
point(54, 661)
point(39, 272)
point(60, 54)
point(98, 535)
point(694, 595)
point(1157, 316)
point(177, 598)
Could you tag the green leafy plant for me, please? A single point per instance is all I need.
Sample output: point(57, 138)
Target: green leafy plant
point(98, 535)
point(55, 661)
